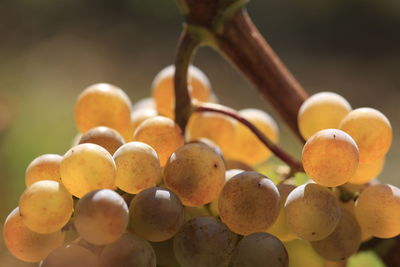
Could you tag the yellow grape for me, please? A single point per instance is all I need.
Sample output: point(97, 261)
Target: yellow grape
point(191, 212)
point(302, 254)
point(368, 171)
point(45, 206)
point(249, 203)
point(128, 250)
point(103, 104)
point(260, 250)
point(280, 228)
point(87, 167)
point(137, 117)
point(163, 89)
point(330, 157)
point(44, 167)
point(144, 103)
point(103, 136)
point(101, 216)
point(343, 242)
point(162, 134)
point(378, 210)
point(138, 167)
point(195, 173)
point(204, 241)
point(371, 130)
point(70, 256)
point(209, 143)
point(156, 214)
point(248, 148)
point(25, 244)
point(324, 110)
point(312, 212)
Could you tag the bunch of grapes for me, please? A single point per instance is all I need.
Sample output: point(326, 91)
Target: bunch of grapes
point(137, 190)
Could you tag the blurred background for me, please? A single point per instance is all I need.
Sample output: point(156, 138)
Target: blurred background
point(50, 50)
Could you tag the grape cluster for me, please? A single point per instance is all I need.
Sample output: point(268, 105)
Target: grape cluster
point(136, 190)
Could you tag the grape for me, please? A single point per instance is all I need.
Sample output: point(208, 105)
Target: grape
point(156, 214)
point(44, 167)
point(101, 216)
point(371, 130)
point(103, 136)
point(87, 167)
point(195, 173)
point(368, 171)
point(137, 117)
point(321, 111)
point(302, 254)
point(165, 253)
point(378, 210)
point(204, 241)
point(260, 250)
point(163, 89)
point(144, 103)
point(330, 157)
point(103, 104)
point(25, 244)
point(70, 256)
point(234, 164)
point(191, 212)
point(128, 251)
point(45, 206)
point(209, 143)
point(138, 167)
point(248, 148)
point(342, 242)
point(249, 203)
point(312, 212)
point(280, 228)
point(162, 134)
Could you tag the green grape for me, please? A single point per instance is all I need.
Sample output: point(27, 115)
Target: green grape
point(44, 167)
point(162, 134)
point(378, 210)
point(343, 242)
point(302, 254)
point(70, 256)
point(137, 117)
point(195, 173)
point(25, 244)
point(144, 103)
point(45, 206)
point(249, 203)
point(368, 171)
point(103, 136)
point(103, 104)
point(129, 250)
point(165, 253)
point(138, 167)
point(260, 250)
point(330, 157)
point(321, 111)
point(87, 167)
point(156, 214)
point(204, 241)
point(371, 130)
point(312, 212)
point(101, 216)
point(280, 228)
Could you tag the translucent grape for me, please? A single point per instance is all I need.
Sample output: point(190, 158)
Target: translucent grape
point(45, 206)
point(302, 254)
point(249, 203)
point(367, 172)
point(165, 253)
point(101, 216)
point(156, 214)
point(87, 167)
point(162, 134)
point(144, 103)
point(195, 173)
point(128, 250)
point(70, 256)
point(204, 241)
point(312, 212)
point(209, 143)
point(191, 212)
point(260, 250)
point(103, 136)
point(44, 167)
point(25, 244)
point(330, 157)
point(138, 167)
point(103, 104)
point(234, 164)
point(378, 210)
point(321, 111)
point(137, 117)
point(371, 130)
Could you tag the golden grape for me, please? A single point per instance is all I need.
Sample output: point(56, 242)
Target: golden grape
point(103, 136)
point(302, 254)
point(137, 117)
point(144, 103)
point(367, 171)
point(44, 167)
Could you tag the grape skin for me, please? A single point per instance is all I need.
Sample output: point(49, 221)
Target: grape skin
point(44, 167)
point(70, 256)
point(25, 244)
point(101, 217)
point(137, 117)
point(103, 136)
point(367, 172)
point(302, 254)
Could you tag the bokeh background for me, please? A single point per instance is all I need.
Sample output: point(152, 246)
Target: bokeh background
point(50, 50)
